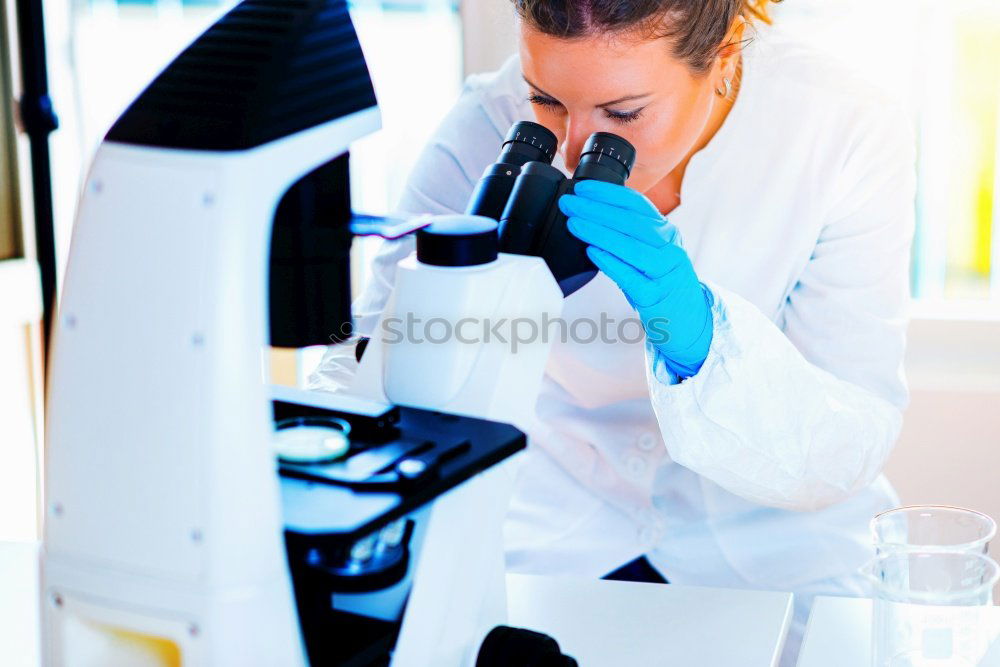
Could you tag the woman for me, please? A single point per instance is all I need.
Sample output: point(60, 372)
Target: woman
point(746, 450)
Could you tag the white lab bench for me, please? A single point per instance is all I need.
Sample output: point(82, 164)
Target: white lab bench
point(622, 624)
point(600, 623)
point(839, 634)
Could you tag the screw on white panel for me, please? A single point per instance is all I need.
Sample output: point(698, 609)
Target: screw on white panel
point(197, 339)
point(194, 630)
point(57, 509)
point(57, 601)
point(208, 199)
point(70, 321)
point(196, 536)
point(97, 186)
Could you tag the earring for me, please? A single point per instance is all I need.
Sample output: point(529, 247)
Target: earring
point(729, 88)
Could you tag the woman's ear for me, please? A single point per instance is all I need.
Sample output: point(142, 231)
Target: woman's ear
point(732, 46)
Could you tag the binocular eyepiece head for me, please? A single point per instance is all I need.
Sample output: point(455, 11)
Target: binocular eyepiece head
point(530, 142)
point(521, 191)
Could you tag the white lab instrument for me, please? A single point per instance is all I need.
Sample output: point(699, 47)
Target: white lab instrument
point(215, 221)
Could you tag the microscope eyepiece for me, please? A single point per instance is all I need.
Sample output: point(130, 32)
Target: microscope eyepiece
point(606, 151)
point(525, 142)
point(528, 142)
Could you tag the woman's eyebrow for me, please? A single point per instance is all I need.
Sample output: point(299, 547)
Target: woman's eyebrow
point(627, 98)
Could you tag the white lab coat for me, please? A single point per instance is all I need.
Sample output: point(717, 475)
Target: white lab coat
point(762, 470)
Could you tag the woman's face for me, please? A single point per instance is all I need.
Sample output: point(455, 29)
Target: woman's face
point(628, 86)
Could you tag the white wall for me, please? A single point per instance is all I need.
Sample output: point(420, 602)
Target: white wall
point(949, 450)
point(487, 34)
point(19, 365)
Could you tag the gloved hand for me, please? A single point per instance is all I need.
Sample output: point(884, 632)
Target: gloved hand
point(638, 249)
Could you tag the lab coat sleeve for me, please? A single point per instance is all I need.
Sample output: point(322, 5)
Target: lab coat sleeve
point(803, 412)
point(441, 182)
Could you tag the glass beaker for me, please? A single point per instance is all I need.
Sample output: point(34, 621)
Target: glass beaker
point(931, 609)
point(932, 528)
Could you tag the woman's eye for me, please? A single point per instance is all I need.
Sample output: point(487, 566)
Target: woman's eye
point(543, 101)
point(623, 117)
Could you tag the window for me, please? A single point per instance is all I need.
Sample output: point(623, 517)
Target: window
point(10, 242)
point(943, 60)
point(20, 320)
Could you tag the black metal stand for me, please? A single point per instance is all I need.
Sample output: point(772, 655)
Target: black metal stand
point(38, 120)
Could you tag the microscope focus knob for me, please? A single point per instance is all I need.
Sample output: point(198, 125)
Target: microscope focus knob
point(458, 240)
point(505, 646)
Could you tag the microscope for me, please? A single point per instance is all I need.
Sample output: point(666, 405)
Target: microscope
point(215, 221)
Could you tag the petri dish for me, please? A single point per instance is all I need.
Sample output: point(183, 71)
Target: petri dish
point(311, 440)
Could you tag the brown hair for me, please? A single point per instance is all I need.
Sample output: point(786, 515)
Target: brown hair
point(695, 28)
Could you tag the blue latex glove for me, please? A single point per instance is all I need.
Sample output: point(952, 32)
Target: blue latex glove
point(638, 249)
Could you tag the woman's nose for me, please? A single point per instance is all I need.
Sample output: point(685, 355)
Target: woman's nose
point(576, 138)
